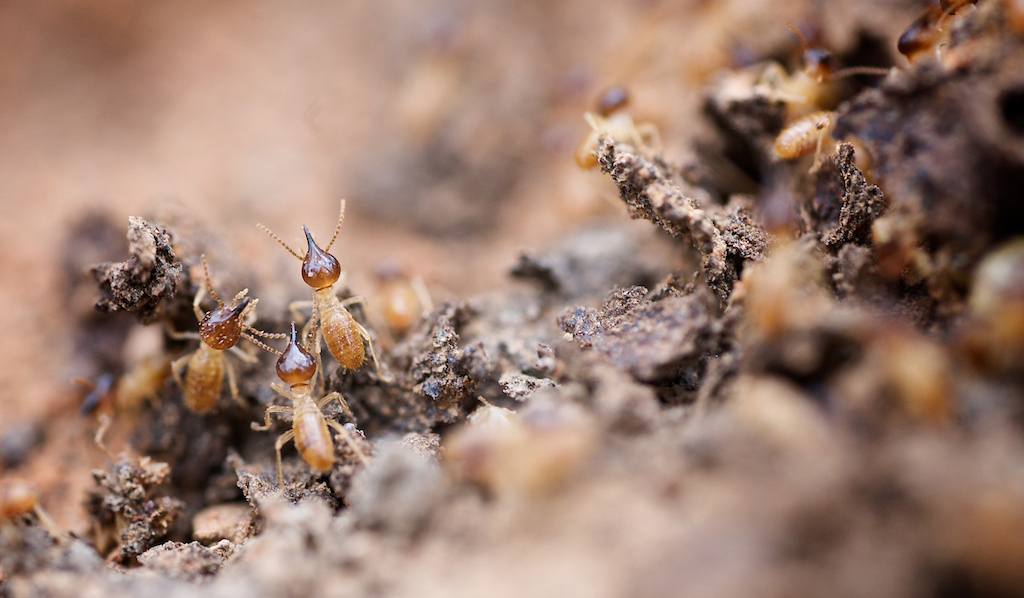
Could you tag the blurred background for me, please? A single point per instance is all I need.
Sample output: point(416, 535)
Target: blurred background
point(448, 125)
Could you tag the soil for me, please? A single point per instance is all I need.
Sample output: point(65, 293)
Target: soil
point(693, 369)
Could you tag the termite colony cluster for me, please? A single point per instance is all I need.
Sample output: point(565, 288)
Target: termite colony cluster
point(833, 325)
point(129, 521)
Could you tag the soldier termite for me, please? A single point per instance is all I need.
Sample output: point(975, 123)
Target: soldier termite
point(219, 331)
point(296, 367)
point(330, 319)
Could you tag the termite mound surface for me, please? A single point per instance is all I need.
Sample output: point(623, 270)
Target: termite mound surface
point(793, 368)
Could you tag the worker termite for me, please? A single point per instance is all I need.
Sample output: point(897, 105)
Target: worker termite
point(330, 318)
point(296, 367)
point(803, 135)
point(812, 86)
point(219, 331)
point(18, 499)
point(612, 118)
point(809, 88)
point(403, 299)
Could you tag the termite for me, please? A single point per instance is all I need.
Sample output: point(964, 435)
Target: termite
point(330, 319)
point(803, 135)
point(927, 33)
point(809, 87)
point(140, 382)
point(403, 298)
point(18, 499)
point(219, 331)
point(296, 367)
point(612, 117)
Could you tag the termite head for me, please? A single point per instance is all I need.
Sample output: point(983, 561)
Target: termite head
point(319, 268)
point(16, 499)
point(819, 64)
point(296, 365)
point(222, 328)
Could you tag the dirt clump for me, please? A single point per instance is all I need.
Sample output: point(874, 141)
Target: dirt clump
point(147, 279)
point(129, 512)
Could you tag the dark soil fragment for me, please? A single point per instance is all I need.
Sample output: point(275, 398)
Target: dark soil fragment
point(656, 341)
point(725, 238)
point(845, 205)
point(440, 369)
point(98, 337)
point(945, 145)
point(747, 128)
point(147, 279)
point(127, 512)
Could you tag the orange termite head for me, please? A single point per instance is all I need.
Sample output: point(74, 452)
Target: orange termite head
point(16, 499)
point(319, 268)
point(222, 327)
point(296, 365)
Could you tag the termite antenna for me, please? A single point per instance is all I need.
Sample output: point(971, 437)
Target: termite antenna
point(803, 40)
point(871, 71)
point(209, 285)
point(252, 339)
point(264, 333)
point(337, 229)
point(278, 239)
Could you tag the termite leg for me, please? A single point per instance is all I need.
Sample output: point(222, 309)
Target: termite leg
point(280, 391)
point(177, 365)
point(233, 382)
point(824, 126)
point(200, 294)
point(242, 355)
point(373, 354)
point(369, 339)
point(341, 399)
point(347, 437)
point(422, 294)
point(294, 308)
point(49, 525)
point(322, 381)
point(181, 336)
point(281, 440)
point(647, 136)
point(266, 417)
point(101, 433)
